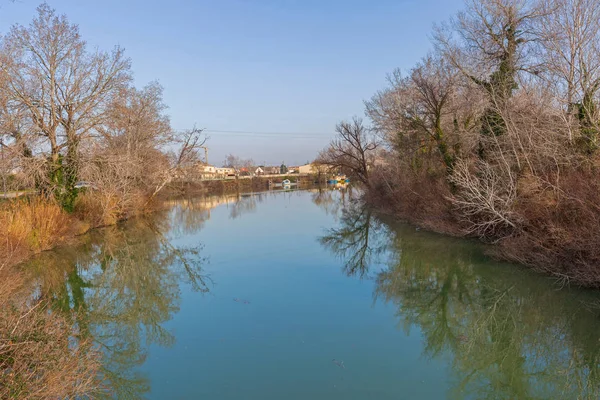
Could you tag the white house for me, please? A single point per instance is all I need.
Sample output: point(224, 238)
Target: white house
point(259, 171)
point(225, 171)
point(207, 171)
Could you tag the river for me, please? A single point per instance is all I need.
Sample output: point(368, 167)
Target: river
point(309, 295)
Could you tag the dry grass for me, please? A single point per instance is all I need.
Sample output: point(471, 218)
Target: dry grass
point(97, 211)
point(41, 354)
point(30, 226)
point(100, 208)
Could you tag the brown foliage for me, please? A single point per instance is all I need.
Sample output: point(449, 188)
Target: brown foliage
point(30, 226)
point(418, 197)
point(511, 100)
point(561, 231)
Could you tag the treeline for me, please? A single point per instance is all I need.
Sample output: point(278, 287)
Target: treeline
point(70, 117)
point(495, 134)
point(93, 149)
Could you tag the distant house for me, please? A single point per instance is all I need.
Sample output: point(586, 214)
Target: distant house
point(225, 171)
point(314, 168)
point(272, 170)
point(259, 171)
point(206, 171)
point(245, 171)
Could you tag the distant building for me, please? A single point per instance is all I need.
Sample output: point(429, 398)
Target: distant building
point(206, 171)
point(225, 171)
point(272, 170)
point(259, 171)
point(309, 169)
point(245, 171)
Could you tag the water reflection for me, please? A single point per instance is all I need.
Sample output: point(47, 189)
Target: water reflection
point(194, 212)
point(121, 285)
point(360, 240)
point(329, 200)
point(511, 334)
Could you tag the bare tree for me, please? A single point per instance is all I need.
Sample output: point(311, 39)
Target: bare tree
point(490, 44)
point(419, 112)
point(353, 150)
point(187, 156)
point(518, 111)
point(63, 88)
point(136, 120)
point(569, 50)
point(236, 162)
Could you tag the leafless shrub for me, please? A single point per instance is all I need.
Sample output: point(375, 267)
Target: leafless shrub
point(484, 200)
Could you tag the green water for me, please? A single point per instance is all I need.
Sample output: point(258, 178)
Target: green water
point(255, 296)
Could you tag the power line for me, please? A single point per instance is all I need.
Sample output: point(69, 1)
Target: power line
point(272, 133)
point(273, 137)
point(316, 135)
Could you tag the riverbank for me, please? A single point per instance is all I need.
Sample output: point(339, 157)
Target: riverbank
point(42, 354)
point(32, 334)
point(32, 225)
point(550, 231)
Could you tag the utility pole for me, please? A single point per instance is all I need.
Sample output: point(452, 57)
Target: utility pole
point(4, 189)
point(205, 154)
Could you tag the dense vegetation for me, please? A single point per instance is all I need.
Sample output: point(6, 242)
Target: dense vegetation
point(93, 149)
point(75, 129)
point(495, 134)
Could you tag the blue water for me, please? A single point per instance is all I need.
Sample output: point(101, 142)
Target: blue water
point(254, 297)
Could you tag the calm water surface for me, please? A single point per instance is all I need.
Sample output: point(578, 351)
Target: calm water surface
point(308, 295)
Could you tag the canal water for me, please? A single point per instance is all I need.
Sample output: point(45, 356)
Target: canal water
point(309, 295)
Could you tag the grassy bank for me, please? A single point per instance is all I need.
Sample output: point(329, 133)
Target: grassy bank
point(41, 352)
point(29, 226)
point(35, 224)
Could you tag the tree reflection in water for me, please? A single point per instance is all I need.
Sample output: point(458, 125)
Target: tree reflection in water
point(359, 241)
point(330, 200)
point(245, 203)
point(511, 333)
point(121, 285)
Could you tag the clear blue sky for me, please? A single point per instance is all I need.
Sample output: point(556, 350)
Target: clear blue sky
point(292, 67)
